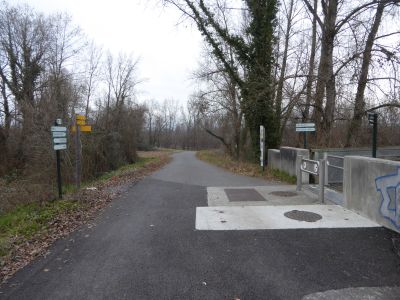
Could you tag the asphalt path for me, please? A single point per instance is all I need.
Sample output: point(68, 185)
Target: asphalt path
point(145, 246)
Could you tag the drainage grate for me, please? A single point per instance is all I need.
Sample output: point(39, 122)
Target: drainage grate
point(283, 194)
point(301, 215)
point(236, 195)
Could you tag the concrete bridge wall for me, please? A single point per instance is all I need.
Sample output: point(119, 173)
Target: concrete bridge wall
point(372, 188)
point(285, 160)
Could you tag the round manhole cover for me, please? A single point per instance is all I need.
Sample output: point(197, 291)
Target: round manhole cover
point(301, 215)
point(283, 194)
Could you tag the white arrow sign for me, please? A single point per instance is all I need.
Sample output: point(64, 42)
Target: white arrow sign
point(58, 128)
point(60, 146)
point(60, 141)
point(305, 125)
point(304, 129)
point(57, 134)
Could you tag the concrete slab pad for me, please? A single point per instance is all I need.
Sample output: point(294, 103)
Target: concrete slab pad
point(271, 195)
point(239, 195)
point(273, 217)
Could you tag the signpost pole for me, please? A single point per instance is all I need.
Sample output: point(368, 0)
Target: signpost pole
point(321, 179)
point(59, 139)
point(58, 157)
point(305, 140)
point(79, 125)
point(77, 156)
point(262, 148)
point(373, 120)
point(374, 135)
point(59, 174)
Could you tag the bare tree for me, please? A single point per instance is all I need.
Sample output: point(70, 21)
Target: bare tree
point(121, 80)
point(23, 44)
point(359, 103)
point(92, 72)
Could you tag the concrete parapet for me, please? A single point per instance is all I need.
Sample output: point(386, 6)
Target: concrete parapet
point(382, 152)
point(372, 188)
point(288, 161)
point(274, 159)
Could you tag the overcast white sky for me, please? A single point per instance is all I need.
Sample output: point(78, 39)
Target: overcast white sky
point(168, 53)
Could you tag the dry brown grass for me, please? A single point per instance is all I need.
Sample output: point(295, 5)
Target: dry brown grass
point(156, 153)
point(245, 168)
point(239, 167)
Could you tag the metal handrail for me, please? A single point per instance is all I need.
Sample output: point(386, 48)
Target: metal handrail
point(320, 172)
point(335, 156)
point(333, 166)
point(310, 160)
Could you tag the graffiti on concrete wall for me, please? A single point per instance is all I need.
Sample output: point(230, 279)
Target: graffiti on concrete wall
point(389, 187)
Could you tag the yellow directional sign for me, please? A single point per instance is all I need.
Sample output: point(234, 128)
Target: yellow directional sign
point(86, 128)
point(80, 122)
point(82, 128)
point(80, 117)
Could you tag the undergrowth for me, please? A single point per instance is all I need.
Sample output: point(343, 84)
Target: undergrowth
point(26, 220)
point(243, 167)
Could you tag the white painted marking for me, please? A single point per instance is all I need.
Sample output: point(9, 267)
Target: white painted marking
point(272, 217)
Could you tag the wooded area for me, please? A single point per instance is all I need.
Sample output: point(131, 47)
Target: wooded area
point(49, 69)
point(277, 63)
point(264, 62)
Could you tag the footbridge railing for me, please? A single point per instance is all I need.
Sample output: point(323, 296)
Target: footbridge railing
point(314, 167)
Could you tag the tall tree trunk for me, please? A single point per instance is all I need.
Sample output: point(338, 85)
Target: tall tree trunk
point(6, 109)
point(236, 118)
point(359, 104)
point(310, 77)
point(325, 69)
point(330, 107)
point(279, 92)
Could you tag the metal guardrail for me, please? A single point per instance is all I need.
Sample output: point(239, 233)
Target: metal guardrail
point(335, 182)
point(313, 167)
point(331, 165)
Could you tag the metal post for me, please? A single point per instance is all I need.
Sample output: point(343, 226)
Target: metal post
point(374, 135)
point(58, 157)
point(326, 169)
point(59, 174)
point(298, 171)
point(305, 139)
point(262, 148)
point(77, 155)
point(321, 180)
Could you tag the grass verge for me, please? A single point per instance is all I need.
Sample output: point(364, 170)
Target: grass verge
point(28, 230)
point(124, 170)
point(243, 167)
point(25, 221)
